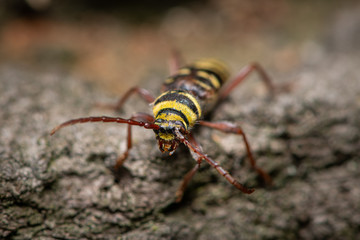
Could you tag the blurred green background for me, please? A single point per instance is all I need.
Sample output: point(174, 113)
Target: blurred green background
point(117, 43)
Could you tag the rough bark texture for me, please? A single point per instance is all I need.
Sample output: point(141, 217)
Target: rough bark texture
point(63, 187)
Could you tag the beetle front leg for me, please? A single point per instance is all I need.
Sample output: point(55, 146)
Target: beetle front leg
point(180, 192)
point(200, 155)
point(143, 117)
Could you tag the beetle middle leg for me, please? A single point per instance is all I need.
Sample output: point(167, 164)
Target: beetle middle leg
point(228, 127)
point(142, 92)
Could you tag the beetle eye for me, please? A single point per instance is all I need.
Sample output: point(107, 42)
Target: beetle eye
point(166, 129)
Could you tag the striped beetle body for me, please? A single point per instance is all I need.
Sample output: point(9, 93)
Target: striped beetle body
point(203, 79)
point(174, 109)
point(186, 96)
point(187, 93)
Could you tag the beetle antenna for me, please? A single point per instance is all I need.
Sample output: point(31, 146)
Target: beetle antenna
point(105, 119)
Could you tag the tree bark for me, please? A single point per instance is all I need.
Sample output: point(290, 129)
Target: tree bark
point(63, 187)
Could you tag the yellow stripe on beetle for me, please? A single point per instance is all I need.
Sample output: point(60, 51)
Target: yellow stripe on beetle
point(193, 100)
point(166, 136)
point(214, 81)
point(172, 117)
point(184, 71)
point(213, 65)
point(188, 113)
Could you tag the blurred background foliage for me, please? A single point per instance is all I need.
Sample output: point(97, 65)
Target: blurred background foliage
point(119, 43)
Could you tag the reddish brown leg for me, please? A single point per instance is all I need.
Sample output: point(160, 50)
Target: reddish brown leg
point(231, 128)
point(143, 117)
point(175, 61)
point(138, 119)
point(143, 93)
point(180, 192)
point(213, 163)
point(242, 75)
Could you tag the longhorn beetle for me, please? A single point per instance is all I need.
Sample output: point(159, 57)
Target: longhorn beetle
point(187, 95)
